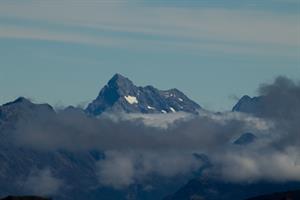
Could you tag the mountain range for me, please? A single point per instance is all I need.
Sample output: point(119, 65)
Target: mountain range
point(77, 169)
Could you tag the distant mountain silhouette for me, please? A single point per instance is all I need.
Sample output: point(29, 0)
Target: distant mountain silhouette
point(250, 105)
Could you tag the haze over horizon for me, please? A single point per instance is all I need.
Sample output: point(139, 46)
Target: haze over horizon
point(63, 53)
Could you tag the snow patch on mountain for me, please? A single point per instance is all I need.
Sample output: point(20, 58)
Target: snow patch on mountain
point(150, 107)
point(172, 109)
point(131, 99)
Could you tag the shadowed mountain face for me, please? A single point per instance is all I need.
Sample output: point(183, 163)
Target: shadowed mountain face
point(24, 198)
point(246, 138)
point(22, 107)
point(121, 95)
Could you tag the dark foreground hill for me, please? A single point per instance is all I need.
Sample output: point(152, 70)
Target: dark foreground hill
point(24, 198)
point(290, 195)
point(209, 189)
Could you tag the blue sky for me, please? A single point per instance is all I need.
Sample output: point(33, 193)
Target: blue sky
point(63, 52)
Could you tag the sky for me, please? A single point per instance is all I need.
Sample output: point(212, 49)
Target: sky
point(63, 52)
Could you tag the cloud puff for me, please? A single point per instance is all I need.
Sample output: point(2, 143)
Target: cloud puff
point(152, 120)
point(280, 99)
point(116, 170)
point(42, 182)
point(121, 169)
point(257, 164)
point(281, 104)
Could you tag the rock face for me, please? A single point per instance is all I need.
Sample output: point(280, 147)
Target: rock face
point(24, 198)
point(121, 95)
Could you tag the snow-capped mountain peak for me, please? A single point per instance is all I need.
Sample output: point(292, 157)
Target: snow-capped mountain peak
point(121, 95)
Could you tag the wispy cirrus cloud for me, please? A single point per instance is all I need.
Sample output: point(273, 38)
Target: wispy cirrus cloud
point(137, 25)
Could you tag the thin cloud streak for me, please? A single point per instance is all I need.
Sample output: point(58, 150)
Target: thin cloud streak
point(14, 32)
point(219, 29)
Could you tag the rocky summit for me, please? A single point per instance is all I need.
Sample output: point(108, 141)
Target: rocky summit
point(121, 95)
point(250, 105)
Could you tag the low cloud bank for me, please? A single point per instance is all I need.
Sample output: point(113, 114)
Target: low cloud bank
point(136, 146)
point(121, 169)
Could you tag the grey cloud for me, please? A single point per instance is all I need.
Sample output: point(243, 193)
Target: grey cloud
point(281, 99)
point(152, 120)
point(76, 131)
point(281, 103)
